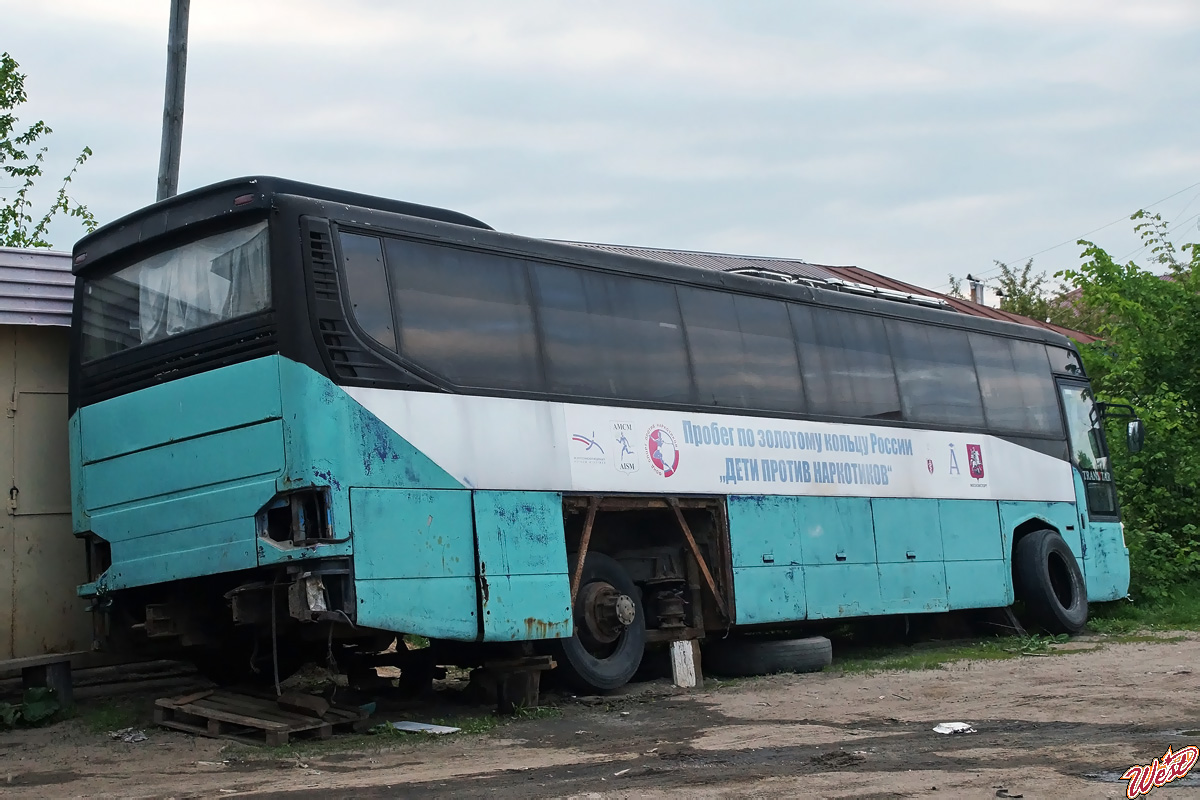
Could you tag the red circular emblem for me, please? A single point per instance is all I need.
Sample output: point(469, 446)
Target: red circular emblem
point(662, 450)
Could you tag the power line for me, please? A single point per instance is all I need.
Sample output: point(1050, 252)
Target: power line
point(1074, 239)
point(1179, 226)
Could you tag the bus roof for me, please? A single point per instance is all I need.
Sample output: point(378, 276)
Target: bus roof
point(217, 200)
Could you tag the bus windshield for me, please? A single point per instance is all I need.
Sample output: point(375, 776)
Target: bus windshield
point(197, 284)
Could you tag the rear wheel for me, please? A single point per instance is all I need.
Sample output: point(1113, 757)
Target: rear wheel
point(610, 629)
point(1047, 578)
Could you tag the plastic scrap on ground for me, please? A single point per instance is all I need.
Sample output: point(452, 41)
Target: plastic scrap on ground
point(953, 727)
point(423, 727)
point(129, 735)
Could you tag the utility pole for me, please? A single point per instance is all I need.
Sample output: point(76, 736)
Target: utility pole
point(172, 131)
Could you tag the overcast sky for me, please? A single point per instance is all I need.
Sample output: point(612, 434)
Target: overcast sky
point(915, 139)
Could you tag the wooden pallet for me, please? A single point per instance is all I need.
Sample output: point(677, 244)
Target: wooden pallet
point(249, 719)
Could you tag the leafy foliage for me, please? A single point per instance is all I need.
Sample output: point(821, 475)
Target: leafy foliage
point(1149, 357)
point(37, 705)
point(23, 160)
point(1023, 292)
point(1029, 294)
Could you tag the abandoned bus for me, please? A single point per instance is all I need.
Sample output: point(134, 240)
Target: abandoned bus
point(304, 419)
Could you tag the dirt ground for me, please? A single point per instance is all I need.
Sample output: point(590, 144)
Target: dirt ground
point(1057, 726)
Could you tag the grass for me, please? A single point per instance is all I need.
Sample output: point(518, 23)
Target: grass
point(1178, 613)
point(1121, 622)
point(113, 715)
point(899, 658)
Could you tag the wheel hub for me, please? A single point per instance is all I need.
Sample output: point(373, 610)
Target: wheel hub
point(604, 612)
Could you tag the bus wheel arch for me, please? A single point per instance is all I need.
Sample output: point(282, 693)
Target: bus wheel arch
point(609, 641)
point(1048, 579)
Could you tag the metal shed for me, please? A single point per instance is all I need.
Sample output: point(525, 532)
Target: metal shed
point(41, 562)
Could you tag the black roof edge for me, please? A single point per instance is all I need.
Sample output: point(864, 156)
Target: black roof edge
point(266, 186)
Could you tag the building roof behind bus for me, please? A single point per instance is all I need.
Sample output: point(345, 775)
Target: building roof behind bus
point(36, 287)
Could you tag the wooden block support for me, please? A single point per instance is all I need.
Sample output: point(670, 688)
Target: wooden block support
point(307, 704)
point(685, 664)
point(56, 675)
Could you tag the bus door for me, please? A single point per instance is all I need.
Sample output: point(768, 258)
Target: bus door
point(1105, 557)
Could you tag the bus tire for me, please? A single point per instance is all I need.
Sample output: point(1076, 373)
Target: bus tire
point(1048, 580)
point(738, 658)
point(590, 666)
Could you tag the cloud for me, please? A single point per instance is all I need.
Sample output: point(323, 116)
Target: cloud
point(914, 139)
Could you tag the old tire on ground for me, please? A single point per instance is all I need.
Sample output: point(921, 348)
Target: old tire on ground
point(753, 656)
point(586, 664)
point(1048, 580)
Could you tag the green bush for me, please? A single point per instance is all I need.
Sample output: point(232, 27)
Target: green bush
point(1149, 357)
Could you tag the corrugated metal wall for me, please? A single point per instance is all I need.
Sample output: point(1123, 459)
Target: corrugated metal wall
point(35, 287)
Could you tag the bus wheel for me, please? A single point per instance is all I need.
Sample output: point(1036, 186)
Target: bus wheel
point(610, 629)
point(1048, 579)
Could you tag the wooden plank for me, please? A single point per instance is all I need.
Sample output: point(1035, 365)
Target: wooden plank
point(304, 704)
point(683, 665)
point(275, 714)
point(237, 719)
point(15, 664)
point(187, 698)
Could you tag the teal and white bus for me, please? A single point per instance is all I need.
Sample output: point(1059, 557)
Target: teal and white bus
point(302, 415)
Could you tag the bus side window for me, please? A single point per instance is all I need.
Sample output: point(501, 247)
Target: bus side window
point(936, 374)
point(464, 315)
point(742, 351)
point(846, 364)
point(1018, 390)
point(611, 335)
point(368, 289)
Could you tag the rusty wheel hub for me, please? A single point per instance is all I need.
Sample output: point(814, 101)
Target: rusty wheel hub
point(604, 612)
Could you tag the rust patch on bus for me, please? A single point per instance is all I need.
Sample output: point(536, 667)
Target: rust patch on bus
point(540, 629)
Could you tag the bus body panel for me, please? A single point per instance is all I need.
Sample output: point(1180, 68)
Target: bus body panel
point(522, 561)
point(908, 539)
point(1062, 517)
point(157, 480)
point(414, 561)
point(977, 553)
point(1105, 556)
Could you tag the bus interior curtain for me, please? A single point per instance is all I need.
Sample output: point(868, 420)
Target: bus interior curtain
point(245, 267)
point(203, 283)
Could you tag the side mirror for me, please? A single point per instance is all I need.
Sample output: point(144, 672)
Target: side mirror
point(1135, 435)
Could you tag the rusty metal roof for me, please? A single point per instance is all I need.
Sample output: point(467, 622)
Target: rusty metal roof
point(860, 275)
point(829, 274)
point(36, 287)
point(721, 262)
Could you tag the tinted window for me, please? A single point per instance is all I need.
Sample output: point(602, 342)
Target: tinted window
point(742, 351)
point(201, 283)
point(1064, 360)
point(464, 315)
point(846, 364)
point(1014, 379)
point(363, 257)
point(936, 374)
point(611, 336)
